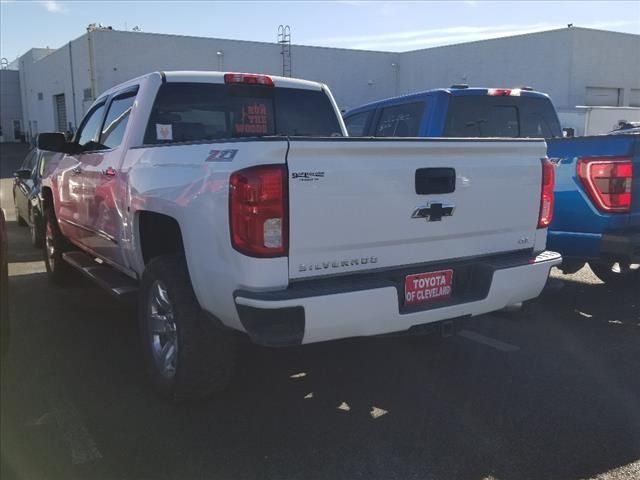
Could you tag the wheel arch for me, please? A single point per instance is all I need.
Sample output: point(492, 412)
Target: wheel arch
point(46, 195)
point(156, 234)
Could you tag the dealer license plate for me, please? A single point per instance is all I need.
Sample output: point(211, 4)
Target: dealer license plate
point(428, 287)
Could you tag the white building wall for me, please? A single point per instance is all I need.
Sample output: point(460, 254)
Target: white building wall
point(562, 63)
point(355, 77)
point(10, 104)
point(540, 60)
point(44, 76)
point(604, 59)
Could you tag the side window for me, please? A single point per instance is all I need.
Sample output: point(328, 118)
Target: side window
point(400, 120)
point(46, 156)
point(357, 123)
point(116, 121)
point(88, 132)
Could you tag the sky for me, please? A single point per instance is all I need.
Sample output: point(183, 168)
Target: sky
point(370, 25)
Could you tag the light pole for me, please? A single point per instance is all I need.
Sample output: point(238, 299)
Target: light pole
point(220, 55)
point(396, 68)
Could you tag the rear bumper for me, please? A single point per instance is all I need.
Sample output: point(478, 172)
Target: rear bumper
point(621, 247)
point(371, 304)
point(586, 246)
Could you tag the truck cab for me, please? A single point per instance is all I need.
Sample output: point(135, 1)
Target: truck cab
point(458, 111)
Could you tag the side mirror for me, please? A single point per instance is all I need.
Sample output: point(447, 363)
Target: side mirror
point(53, 142)
point(22, 174)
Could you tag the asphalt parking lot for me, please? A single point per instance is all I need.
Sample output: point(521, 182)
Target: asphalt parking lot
point(552, 392)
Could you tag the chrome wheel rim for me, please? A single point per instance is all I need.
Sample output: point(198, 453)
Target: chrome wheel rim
point(49, 246)
point(163, 336)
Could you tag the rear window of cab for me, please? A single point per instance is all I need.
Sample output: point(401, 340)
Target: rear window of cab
point(191, 112)
point(466, 116)
point(493, 116)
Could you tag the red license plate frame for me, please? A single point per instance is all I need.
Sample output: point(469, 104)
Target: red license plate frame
point(427, 287)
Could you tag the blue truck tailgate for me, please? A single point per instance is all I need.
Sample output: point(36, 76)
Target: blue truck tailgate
point(578, 225)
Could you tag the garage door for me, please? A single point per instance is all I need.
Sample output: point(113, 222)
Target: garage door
point(603, 97)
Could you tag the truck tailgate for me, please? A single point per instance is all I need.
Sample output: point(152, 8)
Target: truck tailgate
point(574, 210)
point(352, 201)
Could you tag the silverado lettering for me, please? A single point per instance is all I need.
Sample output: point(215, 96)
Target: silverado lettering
point(337, 264)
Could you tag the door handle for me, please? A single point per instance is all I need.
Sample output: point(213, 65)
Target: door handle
point(435, 180)
point(77, 170)
point(109, 172)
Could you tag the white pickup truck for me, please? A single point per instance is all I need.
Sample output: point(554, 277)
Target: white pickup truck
point(236, 202)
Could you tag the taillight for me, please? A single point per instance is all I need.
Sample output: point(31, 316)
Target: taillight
point(248, 79)
point(607, 181)
point(258, 211)
point(546, 197)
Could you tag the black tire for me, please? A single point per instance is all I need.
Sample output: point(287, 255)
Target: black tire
point(19, 219)
point(203, 360)
point(37, 231)
point(616, 273)
point(59, 272)
point(5, 326)
point(569, 267)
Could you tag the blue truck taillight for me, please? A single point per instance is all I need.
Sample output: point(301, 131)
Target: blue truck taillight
point(608, 182)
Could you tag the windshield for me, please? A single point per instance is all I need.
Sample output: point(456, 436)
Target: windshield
point(489, 116)
point(188, 112)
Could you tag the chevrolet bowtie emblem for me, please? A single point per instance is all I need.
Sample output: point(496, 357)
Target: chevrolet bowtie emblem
point(433, 212)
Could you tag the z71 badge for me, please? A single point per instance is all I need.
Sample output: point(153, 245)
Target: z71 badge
point(222, 155)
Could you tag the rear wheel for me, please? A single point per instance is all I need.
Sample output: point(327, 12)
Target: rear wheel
point(186, 355)
point(616, 273)
point(5, 327)
point(59, 271)
point(569, 267)
point(36, 230)
point(19, 219)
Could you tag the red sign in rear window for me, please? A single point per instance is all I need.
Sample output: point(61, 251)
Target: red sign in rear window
point(254, 118)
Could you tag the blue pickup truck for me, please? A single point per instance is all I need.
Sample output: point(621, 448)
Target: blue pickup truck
point(597, 193)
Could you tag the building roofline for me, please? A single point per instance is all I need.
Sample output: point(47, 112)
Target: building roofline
point(293, 45)
point(241, 41)
point(33, 49)
point(541, 32)
point(600, 30)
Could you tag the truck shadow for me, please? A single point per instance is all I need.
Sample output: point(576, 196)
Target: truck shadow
point(563, 406)
point(615, 304)
point(20, 248)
